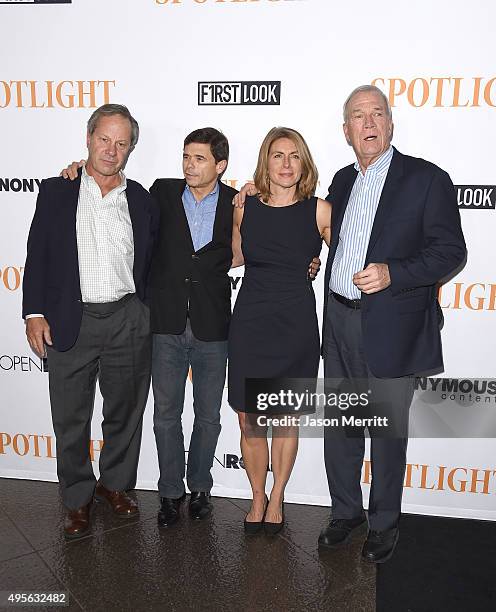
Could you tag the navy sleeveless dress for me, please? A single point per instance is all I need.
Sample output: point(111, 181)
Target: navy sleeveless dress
point(274, 331)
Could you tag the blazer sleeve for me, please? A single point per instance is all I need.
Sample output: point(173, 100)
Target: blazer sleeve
point(443, 246)
point(34, 281)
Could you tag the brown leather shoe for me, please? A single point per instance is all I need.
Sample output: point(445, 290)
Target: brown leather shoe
point(77, 522)
point(119, 501)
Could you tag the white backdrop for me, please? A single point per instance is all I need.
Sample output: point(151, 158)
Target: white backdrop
point(434, 60)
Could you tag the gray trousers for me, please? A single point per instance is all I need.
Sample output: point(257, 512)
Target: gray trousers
point(113, 346)
point(344, 447)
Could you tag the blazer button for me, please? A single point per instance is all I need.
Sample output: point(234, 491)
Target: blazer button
point(186, 280)
point(194, 257)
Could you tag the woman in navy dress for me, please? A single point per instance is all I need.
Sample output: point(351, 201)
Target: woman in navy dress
point(274, 331)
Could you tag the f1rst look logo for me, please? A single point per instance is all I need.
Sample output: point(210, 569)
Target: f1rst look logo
point(239, 92)
point(476, 197)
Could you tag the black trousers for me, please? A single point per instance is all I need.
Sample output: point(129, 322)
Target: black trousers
point(113, 346)
point(345, 367)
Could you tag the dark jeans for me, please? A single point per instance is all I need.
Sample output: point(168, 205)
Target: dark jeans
point(172, 356)
point(344, 448)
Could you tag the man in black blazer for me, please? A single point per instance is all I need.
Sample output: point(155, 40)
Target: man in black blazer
point(190, 295)
point(190, 302)
point(88, 256)
point(396, 233)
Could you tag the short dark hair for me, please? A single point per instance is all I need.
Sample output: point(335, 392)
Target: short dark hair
point(115, 109)
point(219, 145)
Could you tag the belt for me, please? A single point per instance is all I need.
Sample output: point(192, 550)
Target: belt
point(107, 308)
point(355, 304)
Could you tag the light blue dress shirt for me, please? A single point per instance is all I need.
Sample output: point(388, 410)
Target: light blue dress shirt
point(357, 225)
point(201, 216)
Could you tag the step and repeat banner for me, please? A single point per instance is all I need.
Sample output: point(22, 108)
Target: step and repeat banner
point(244, 66)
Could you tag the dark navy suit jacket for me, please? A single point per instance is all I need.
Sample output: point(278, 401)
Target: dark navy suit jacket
point(417, 232)
point(51, 276)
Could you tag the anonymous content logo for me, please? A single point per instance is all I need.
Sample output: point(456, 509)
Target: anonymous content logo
point(476, 197)
point(19, 184)
point(231, 93)
point(35, 1)
point(468, 296)
point(440, 92)
point(54, 94)
point(454, 408)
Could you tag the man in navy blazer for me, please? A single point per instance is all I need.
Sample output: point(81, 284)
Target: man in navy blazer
point(396, 233)
point(88, 257)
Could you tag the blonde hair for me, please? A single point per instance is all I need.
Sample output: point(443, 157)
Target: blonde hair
point(307, 184)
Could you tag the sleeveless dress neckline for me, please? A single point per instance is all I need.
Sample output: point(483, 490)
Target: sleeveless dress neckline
point(286, 206)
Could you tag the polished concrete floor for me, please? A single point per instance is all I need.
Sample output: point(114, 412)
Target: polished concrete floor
point(208, 565)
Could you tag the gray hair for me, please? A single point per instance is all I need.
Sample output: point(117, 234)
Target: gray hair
point(366, 88)
point(115, 109)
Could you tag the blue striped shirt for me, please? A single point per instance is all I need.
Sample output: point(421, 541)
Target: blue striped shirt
point(357, 224)
point(201, 216)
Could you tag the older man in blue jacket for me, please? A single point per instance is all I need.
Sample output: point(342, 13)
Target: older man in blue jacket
point(396, 233)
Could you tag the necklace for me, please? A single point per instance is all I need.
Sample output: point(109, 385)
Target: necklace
point(269, 203)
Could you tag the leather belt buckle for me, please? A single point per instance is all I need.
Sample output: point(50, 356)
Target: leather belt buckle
point(354, 304)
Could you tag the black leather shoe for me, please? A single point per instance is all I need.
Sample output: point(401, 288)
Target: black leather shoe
point(169, 511)
point(379, 545)
point(338, 531)
point(199, 505)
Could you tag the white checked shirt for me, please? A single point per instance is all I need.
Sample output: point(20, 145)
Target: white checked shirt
point(105, 242)
point(356, 228)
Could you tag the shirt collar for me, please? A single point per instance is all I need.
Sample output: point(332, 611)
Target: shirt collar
point(214, 192)
point(380, 166)
point(89, 180)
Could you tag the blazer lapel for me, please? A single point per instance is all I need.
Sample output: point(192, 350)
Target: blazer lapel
point(221, 204)
point(387, 200)
point(139, 223)
point(69, 208)
point(338, 215)
point(177, 200)
point(338, 210)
